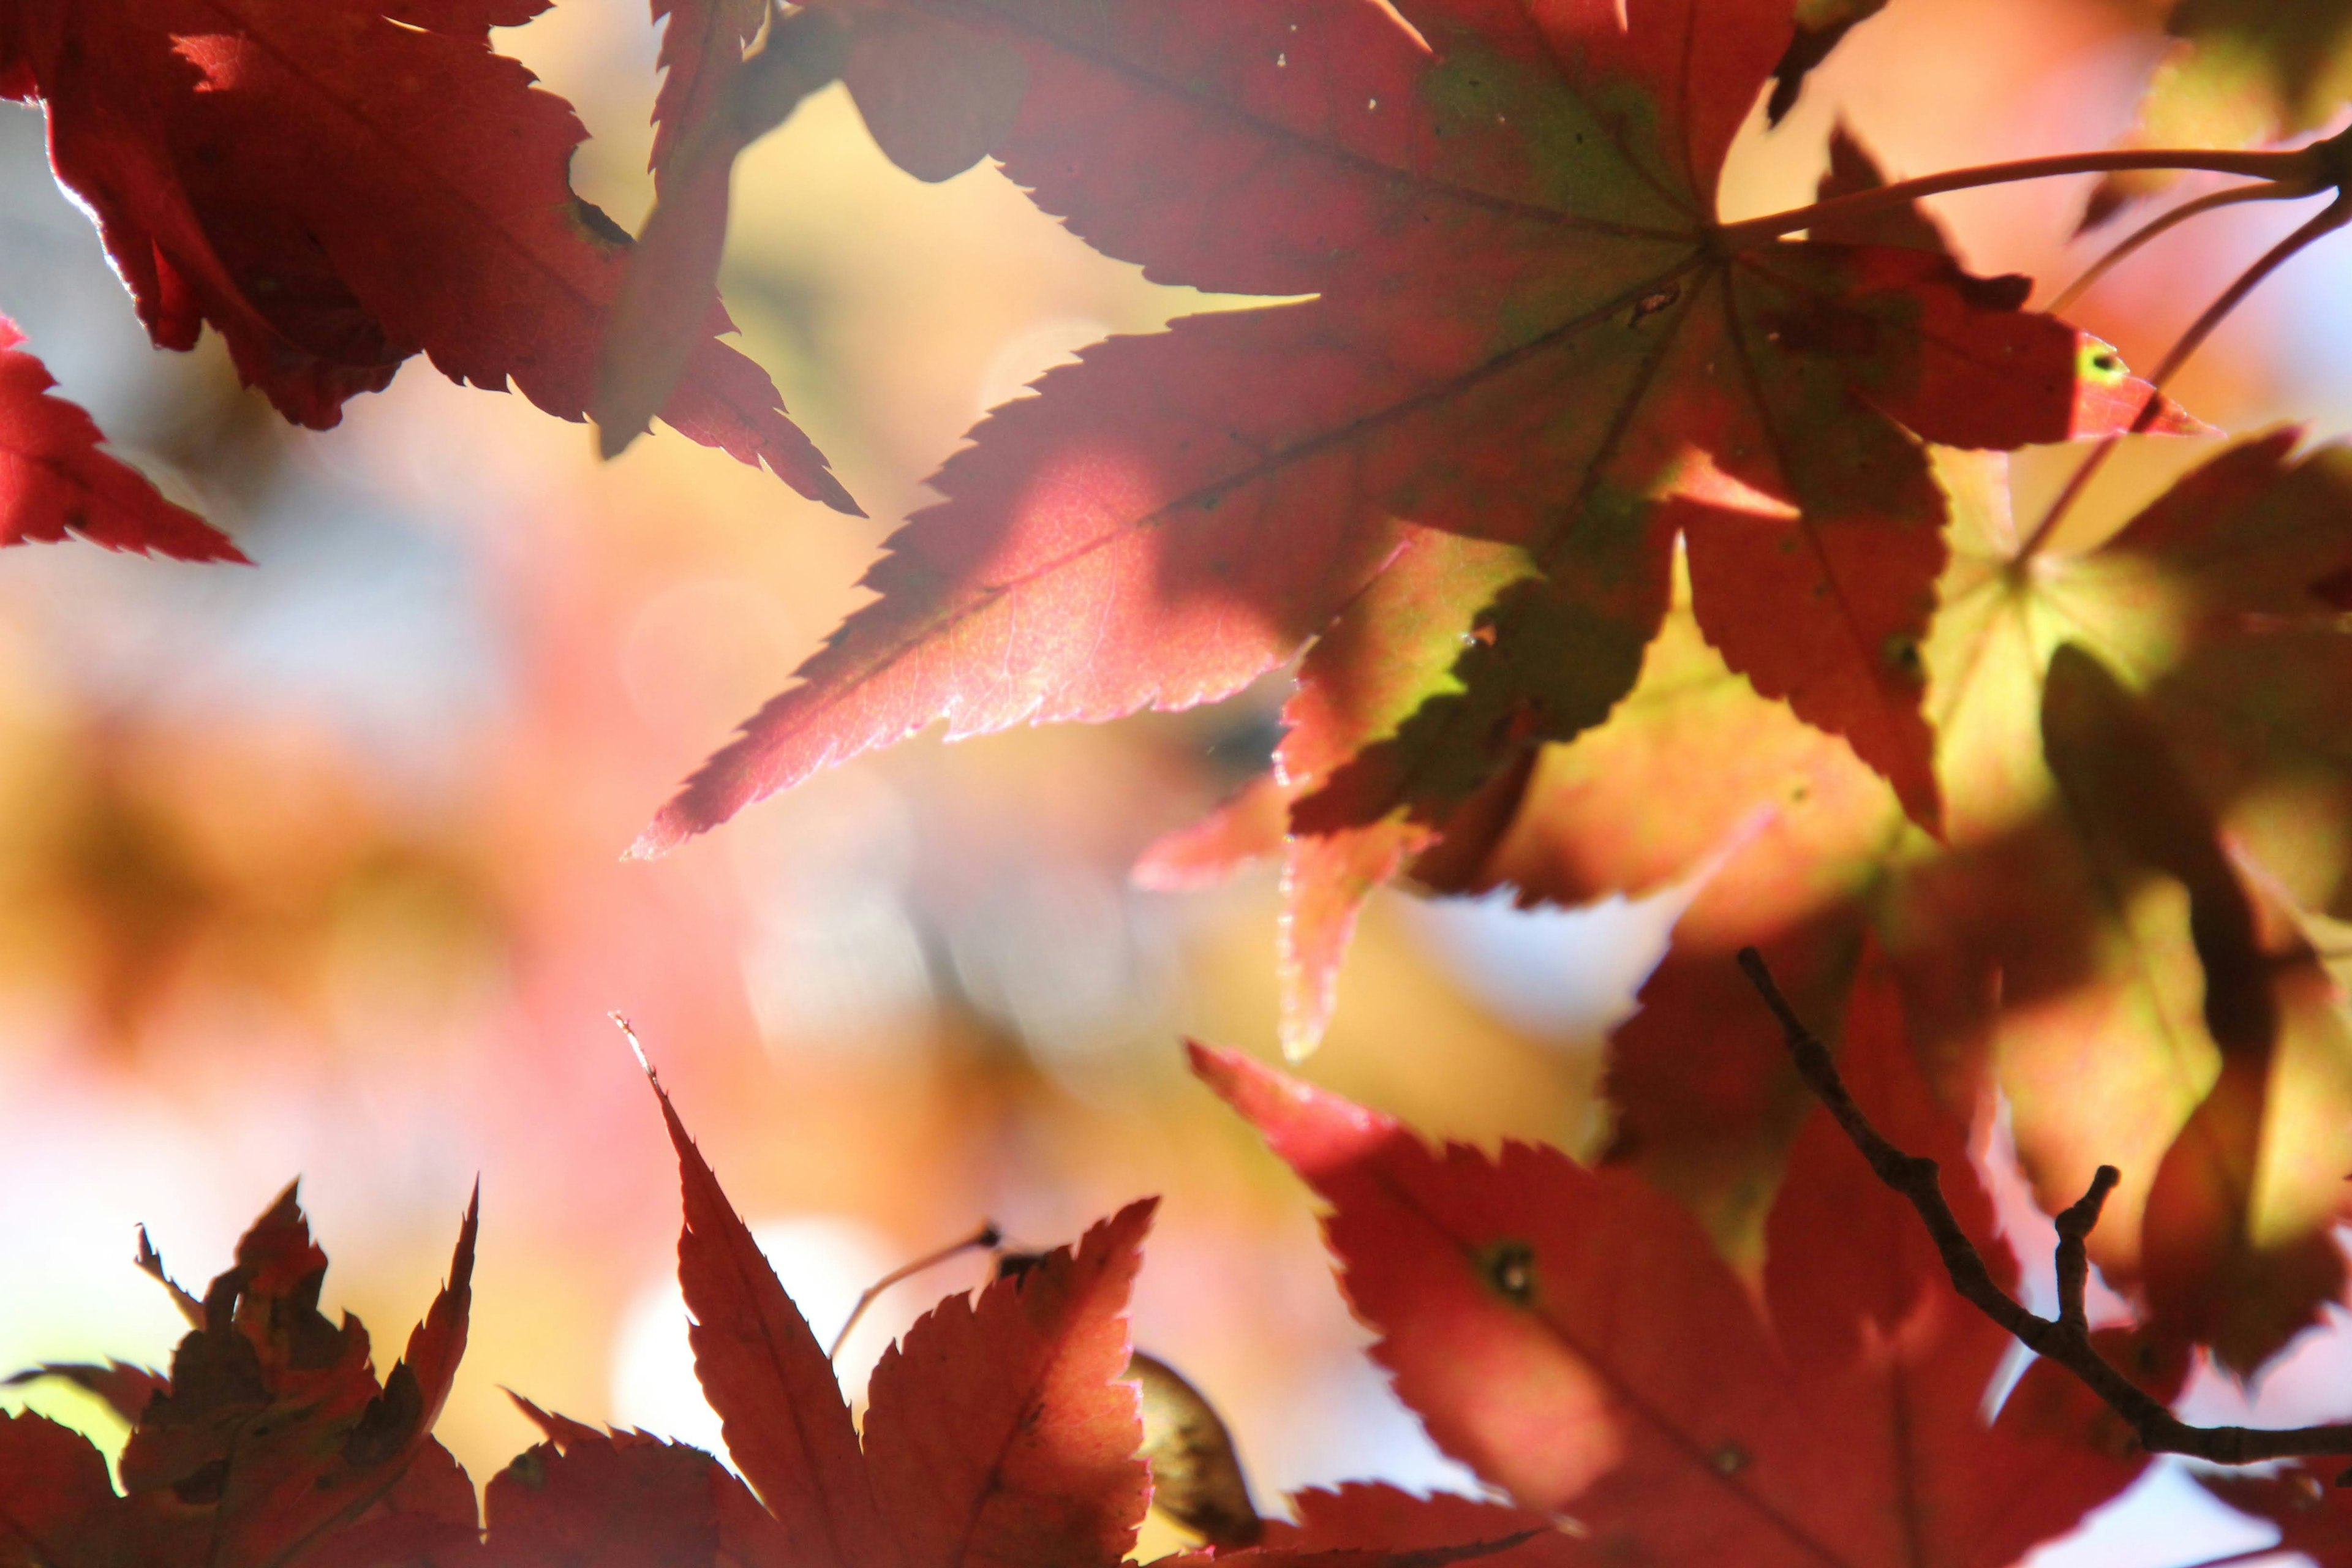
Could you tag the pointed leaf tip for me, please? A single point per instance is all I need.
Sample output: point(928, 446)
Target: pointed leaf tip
point(779, 1403)
point(1311, 1130)
point(637, 1050)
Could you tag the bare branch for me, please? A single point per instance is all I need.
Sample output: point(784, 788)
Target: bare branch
point(2067, 1340)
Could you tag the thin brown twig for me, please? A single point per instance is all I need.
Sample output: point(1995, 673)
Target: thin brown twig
point(986, 1238)
point(2164, 224)
point(2306, 169)
point(2066, 1341)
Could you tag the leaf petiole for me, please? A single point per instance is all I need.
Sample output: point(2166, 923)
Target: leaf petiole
point(2335, 215)
point(2302, 170)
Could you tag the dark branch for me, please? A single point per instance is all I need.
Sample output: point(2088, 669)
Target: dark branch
point(2067, 1340)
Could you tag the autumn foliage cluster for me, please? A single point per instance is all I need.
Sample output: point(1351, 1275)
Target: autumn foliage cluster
point(1615, 547)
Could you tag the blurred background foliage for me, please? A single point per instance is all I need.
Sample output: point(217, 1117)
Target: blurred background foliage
point(314, 868)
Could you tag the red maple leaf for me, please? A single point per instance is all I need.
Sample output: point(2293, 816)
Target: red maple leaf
point(55, 482)
point(2145, 774)
point(337, 185)
point(1574, 1337)
point(1529, 334)
point(270, 1442)
point(1000, 1431)
point(934, 94)
point(2313, 1514)
point(997, 1431)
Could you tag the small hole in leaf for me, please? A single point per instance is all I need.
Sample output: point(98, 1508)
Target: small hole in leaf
point(1728, 1459)
point(1509, 1267)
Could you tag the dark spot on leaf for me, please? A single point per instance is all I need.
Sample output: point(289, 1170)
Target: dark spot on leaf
point(530, 1468)
point(204, 1485)
point(2336, 589)
point(1509, 1268)
point(386, 1424)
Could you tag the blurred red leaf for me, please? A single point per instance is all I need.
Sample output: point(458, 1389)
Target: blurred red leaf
point(337, 185)
point(935, 93)
point(1527, 332)
point(701, 51)
point(2314, 1515)
point(1574, 1337)
point(53, 479)
point(2239, 73)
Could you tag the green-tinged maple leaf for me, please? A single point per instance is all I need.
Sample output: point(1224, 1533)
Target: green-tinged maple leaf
point(2146, 776)
point(271, 1442)
point(1528, 335)
point(2240, 72)
point(1575, 1338)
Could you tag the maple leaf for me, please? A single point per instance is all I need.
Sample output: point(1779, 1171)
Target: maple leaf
point(996, 1431)
point(2147, 778)
point(2240, 73)
point(713, 104)
point(586, 1498)
point(1528, 330)
point(2314, 1515)
point(1821, 26)
point(337, 185)
point(270, 1440)
point(1392, 690)
point(1574, 1337)
point(1002, 1429)
point(934, 94)
point(54, 480)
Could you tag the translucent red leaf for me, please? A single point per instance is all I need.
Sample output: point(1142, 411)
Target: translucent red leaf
point(1574, 1337)
point(701, 50)
point(586, 1498)
point(335, 190)
point(2313, 1514)
point(779, 1403)
point(55, 482)
point(1249, 824)
point(2085, 889)
point(724, 103)
point(1526, 331)
point(998, 1431)
point(54, 1491)
point(1365, 1516)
